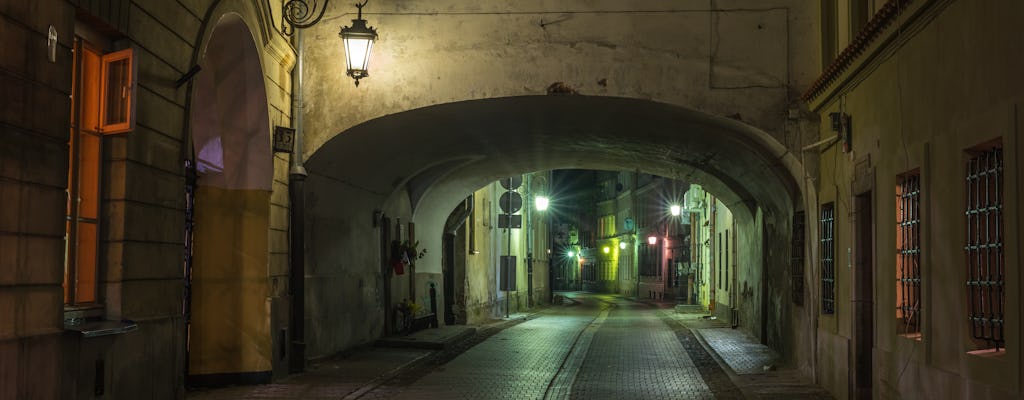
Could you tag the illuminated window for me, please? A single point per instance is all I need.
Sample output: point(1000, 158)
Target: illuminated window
point(908, 254)
point(101, 103)
point(828, 265)
point(983, 210)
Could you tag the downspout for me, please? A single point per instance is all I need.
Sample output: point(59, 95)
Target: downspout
point(529, 241)
point(296, 249)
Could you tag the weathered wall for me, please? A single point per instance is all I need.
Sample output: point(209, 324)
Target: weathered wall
point(142, 209)
point(948, 82)
point(738, 58)
point(33, 177)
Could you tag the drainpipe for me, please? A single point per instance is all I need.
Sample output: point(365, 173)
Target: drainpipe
point(296, 246)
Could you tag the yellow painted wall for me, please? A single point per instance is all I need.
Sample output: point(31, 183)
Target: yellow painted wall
point(230, 330)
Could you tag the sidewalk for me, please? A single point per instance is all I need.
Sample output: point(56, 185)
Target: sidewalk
point(752, 366)
point(356, 373)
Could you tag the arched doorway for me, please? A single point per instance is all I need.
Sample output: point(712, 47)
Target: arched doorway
point(229, 326)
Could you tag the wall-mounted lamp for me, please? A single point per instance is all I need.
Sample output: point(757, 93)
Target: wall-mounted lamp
point(652, 240)
point(622, 245)
point(675, 210)
point(842, 124)
point(358, 39)
point(541, 202)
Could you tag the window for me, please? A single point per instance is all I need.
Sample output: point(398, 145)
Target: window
point(984, 248)
point(718, 261)
point(908, 254)
point(727, 238)
point(828, 266)
point(101, 103)
point(797, 258)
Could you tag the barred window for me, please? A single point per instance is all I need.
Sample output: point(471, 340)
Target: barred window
point(828, 265)
point(797, 258)
point(984, 249)
point(908, 254)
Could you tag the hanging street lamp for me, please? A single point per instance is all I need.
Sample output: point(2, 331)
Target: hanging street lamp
point(358, 41)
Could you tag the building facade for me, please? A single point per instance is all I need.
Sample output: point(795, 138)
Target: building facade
point(867, 153)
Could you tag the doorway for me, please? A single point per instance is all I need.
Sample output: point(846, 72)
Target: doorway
point(229, 332)
point(863, 295)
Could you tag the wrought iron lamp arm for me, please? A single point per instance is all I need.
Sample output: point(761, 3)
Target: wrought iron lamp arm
point(300, 14)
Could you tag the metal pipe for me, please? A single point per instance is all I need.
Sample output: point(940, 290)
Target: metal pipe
point(296, 249)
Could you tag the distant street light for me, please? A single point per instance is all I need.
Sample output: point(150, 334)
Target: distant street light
point(542, 202)
point(606, 250)
point(622, 245)
point(675, 210)
point(652, 240)
point(571, 254)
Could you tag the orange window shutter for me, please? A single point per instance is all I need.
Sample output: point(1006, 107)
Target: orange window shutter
point(117, 99)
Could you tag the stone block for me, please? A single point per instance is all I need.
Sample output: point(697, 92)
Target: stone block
point(159, 114)
point(9, 322)
point(173, 17)
point(32, 209)
point(9, 358)
point(147, 260)
point(39, 310)
point(143, 222)
point(152, 34)
point(40, 260)
point(278, 217)
point(150, 147)
point(40, 361)
point(278, 240)
point(155, 186)
point(279, 193)
point(25, 157)
point(146, 299)
point(156, 76)
point(278, 264)
point(22, 98)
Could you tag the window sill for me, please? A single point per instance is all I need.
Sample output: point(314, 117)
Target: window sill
point(911, 336)
point(101, 328)
point(988, 353)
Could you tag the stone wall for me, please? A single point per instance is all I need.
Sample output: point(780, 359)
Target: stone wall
point(920, 98)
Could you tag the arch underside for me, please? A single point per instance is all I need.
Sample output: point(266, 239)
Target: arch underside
point(440, 154)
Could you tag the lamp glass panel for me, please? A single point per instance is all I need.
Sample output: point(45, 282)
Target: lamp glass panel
point(357, 52)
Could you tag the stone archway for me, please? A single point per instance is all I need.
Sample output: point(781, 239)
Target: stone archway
point(420, 163)
point(229, 331)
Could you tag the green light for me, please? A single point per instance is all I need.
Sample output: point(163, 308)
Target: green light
point(606, 250)
point(571, 254)
point(542, 203)
point(622, 245)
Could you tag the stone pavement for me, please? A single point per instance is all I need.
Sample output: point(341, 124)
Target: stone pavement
point(590, 347)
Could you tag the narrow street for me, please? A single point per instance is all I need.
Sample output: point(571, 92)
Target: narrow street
point(601, 348)
point(590, 347)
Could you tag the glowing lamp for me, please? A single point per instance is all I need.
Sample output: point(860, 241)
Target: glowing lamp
point(542, 203)
point(358, 41)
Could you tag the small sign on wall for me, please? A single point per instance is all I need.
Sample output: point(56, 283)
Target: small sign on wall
point(284, 139)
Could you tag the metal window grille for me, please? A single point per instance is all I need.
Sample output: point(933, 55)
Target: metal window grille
point(828, 265)
point(908, 254)
point(984, 249)
point(797, 258)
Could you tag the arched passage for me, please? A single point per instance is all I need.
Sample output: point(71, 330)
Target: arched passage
point(419, 164)
point(229, 332)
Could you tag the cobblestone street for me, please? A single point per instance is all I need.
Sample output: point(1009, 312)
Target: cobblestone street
point(592, 347)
